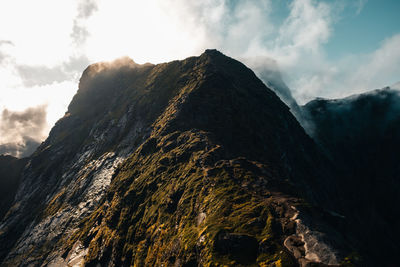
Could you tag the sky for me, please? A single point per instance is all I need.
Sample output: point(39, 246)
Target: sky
point(330, 48)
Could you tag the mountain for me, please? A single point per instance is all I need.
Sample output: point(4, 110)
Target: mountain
point(361, 134)
point(187, 163)
point(268, 71)
point(198, 163)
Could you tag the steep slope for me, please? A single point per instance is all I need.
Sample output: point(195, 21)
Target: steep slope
point(361, 134)
point(68, 174)
point(183, 163)
point(214, 183)
point(268, 71)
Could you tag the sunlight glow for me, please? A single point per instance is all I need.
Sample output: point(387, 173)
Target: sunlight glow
point(141, 30)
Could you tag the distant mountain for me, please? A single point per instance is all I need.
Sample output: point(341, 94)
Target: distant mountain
point(361, 134)
point(195, 163)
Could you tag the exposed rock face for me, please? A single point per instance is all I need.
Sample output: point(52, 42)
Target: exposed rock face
point(67, 176)
point(187, 163)
point(361, 134)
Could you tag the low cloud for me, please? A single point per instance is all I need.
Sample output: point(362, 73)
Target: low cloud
point(22, 131)
point(20, 150)
point(352, 74)
point(43, 75)
point(381, 66)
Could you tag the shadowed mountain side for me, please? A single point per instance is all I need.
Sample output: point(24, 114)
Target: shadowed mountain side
point(10, 173)
point(361, 134)
point(268, 71)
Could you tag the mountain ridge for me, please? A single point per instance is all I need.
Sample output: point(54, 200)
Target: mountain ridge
point(186, 163)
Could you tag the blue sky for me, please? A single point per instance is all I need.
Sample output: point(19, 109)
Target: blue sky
point(323, 48)
point(360, 26)
point(364, 31)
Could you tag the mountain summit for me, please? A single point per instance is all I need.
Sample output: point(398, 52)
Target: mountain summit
point(187, 163)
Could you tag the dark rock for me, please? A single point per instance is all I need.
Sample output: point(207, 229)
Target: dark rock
point(240, 247)
point(361, 134)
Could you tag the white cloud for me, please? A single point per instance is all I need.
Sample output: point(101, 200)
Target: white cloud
point(39, 29)
point(382, 66)
point(352, 74)
point(298, 47)
point(79, 32)
point(306, 29)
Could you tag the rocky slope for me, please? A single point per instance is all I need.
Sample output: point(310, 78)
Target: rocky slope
point(187, 163)
point(361, 134)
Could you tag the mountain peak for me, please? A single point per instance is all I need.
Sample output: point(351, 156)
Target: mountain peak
point(212, 52)
point(185, 163)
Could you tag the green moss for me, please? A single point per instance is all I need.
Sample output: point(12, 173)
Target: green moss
point(139, 215)
point(189, 166)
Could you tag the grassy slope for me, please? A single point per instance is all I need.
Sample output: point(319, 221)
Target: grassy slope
point(216, 177)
